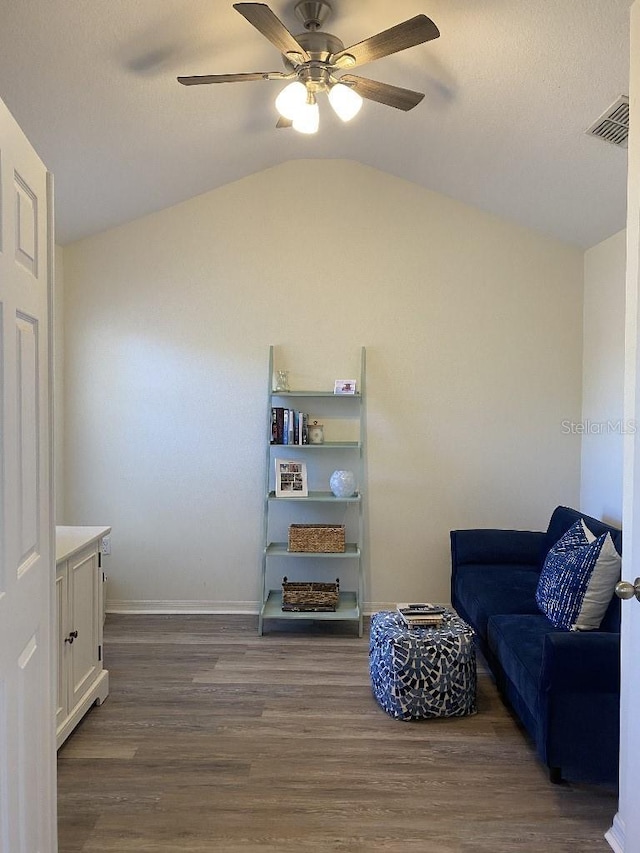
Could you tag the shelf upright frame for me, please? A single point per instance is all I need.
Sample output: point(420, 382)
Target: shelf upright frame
point(264, 592)
point(361, 472)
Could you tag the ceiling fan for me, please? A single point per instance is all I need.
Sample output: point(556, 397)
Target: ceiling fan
point(313, 59)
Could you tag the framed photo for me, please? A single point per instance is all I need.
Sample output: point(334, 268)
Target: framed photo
point(344, 386)
point(291, 479)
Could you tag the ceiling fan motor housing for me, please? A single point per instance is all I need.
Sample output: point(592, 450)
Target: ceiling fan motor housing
point(319, 46)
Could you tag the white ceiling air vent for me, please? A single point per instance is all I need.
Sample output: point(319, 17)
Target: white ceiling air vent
point(613, 125)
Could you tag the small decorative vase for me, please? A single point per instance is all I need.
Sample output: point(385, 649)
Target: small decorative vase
point(282, 380)
point(343, 483)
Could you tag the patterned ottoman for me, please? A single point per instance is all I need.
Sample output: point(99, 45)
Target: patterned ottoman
point(422, 672)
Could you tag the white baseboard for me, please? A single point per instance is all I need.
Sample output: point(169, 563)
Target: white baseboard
point(247, 608)
point(223, 608)
point(615, 836)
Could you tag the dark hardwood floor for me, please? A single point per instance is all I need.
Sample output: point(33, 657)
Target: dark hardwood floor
point(215, 739)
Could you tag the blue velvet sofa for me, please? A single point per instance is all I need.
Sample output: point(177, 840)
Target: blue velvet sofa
point(563, 685)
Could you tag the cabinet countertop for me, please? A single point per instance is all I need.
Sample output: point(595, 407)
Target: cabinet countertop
point(69, 540)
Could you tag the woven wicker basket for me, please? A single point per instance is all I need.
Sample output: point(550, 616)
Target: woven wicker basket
point(318, 538)
point(310, 596)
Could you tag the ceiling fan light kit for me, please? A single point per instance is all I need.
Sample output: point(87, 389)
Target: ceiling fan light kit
point(312, 59)
point(291, 99)
point(297, 103)
point(307, 118)
point(346, 102)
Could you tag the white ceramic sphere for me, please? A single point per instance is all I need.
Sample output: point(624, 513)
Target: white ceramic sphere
point(343, 483)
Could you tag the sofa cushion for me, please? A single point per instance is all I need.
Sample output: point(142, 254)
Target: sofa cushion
point(577, 579)
point(517, 642)
point(485, 590)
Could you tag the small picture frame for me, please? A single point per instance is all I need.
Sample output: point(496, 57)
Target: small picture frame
point(291, 479)
point(344, 386)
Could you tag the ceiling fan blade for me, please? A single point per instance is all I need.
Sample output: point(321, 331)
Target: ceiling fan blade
point(383, 93)
point(271, 27)
point(232, 78)
point(284, 122)
point(408, 34)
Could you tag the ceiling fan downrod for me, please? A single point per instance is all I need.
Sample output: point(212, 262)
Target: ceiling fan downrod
point(313, 13)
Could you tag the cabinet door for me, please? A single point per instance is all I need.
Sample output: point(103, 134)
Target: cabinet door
point(62, 618)
point(83, 617)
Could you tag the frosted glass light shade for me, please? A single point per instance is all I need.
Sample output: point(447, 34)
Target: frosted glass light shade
point(345, 101)
point(291, 99)
point(307, 118)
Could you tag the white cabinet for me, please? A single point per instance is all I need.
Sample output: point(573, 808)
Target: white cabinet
point(82, 680)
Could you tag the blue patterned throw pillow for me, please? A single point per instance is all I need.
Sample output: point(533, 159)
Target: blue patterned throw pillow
point(578, 578)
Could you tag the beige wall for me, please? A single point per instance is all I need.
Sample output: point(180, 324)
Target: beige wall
point(473, 328)
point(58, 382)
point(603, 384)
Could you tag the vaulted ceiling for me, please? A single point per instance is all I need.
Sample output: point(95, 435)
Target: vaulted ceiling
point(510, 88)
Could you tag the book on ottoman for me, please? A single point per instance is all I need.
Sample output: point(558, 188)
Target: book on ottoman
point(421, 615)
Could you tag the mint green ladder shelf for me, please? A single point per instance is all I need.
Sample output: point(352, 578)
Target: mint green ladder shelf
point(276, 559)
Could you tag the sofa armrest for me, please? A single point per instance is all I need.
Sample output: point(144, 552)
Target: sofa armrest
point(493, 547)
point(581, 662)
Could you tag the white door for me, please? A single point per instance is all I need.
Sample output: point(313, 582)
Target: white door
point(624, 835)
point(27, 664)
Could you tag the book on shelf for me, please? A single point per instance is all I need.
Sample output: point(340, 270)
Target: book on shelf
point(277, 425)
point(291, 437)
point(288, 427)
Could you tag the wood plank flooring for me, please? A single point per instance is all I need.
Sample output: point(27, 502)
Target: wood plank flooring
point(215, 739)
